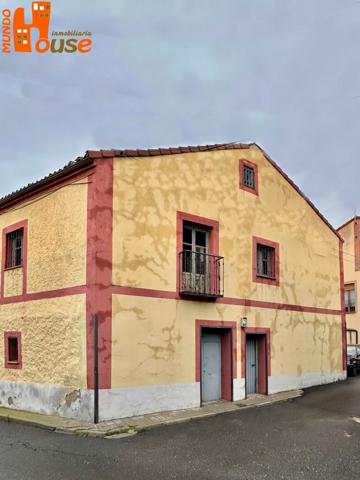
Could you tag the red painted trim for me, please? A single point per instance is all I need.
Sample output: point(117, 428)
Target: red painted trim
point(257, 278)
point(226, 364)
point(342, 302)
point(228, 345)
point(145, 292)
point(31, 297)
point(99, 269)
point(357, 245)
point(262, 365)
point(255, 331)
point(212, 225)
point(11, 228)
point(244, 302)
point(279, 306)
point(7, 363)
point(252, 165)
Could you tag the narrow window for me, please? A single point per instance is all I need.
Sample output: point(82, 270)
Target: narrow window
point(248, 176)
point(14, 248)
point(13, 350)
point(350, 298)
point(265, 261)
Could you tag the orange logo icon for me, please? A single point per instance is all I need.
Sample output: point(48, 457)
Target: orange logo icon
point(40, 20)
point(60, 42)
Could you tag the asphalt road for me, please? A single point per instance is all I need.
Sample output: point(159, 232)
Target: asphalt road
point(313, 437)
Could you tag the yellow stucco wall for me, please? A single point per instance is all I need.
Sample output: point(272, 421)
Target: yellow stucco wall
point(53, 341)
point(350, 275)
point(148, 192)
point(13, 282)
point(53, 330)
point(154, 339)
point(56, 238)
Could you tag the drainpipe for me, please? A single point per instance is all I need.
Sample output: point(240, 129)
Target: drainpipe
point(96, 368)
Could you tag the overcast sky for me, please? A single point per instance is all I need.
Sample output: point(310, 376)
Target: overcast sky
point(282, 73)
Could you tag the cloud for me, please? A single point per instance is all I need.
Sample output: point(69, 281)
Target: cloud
point(283, 74)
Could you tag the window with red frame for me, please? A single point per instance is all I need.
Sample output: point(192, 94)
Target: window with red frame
point(14, 248)
point(248, 176)
point(265, 257)
point(350, 298)
point(13, 350)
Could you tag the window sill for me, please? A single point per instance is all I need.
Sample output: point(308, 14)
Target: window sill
point(273, 279)
point(13, 365)
point(12, 268)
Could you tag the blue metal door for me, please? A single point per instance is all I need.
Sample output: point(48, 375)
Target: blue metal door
point(251, 364)
point(210, 366)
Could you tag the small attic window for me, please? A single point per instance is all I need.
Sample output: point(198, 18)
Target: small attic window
point(248, 173)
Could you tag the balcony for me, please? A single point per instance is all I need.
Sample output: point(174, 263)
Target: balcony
point(201, 275)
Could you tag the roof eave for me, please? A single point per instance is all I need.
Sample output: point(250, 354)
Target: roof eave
point(20, 195)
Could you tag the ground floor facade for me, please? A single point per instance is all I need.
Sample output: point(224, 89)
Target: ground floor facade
point(165, 354)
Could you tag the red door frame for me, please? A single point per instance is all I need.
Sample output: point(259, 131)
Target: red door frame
point(264, 356)
point(227, 330)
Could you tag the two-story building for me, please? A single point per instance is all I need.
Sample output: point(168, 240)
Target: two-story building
point(350, 232)
point(211, 274)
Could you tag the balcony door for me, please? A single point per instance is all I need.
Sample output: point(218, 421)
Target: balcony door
point(196, 276)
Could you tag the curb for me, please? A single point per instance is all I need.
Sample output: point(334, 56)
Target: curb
point(124, 431)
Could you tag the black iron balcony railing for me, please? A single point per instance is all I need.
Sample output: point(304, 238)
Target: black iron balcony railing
point(201, 274)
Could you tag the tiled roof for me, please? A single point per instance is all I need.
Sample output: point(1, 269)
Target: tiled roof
point(152, 152)
point(71, 167)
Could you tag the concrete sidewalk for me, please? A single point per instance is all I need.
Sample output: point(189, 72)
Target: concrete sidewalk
point(129, 426)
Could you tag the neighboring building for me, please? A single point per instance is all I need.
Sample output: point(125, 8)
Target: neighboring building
point(350, 232)
point(212, 275)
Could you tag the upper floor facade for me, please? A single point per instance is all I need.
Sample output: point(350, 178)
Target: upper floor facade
point(219, 223)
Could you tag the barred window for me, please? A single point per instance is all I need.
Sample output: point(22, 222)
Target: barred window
point(350, 298)
point(14, 248)
point(265, 261)
point(248, 176)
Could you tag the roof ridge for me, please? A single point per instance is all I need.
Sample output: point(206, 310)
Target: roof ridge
point(151, 152)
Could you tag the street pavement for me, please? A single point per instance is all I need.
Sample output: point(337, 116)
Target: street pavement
point(312, 437)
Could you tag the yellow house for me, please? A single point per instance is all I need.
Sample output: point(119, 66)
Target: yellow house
point(350, 232)
point(212, 277)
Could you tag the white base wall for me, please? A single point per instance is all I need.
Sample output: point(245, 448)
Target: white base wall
point(48, 399)
point(282, 383)
point(238, 389)
point(135, 401)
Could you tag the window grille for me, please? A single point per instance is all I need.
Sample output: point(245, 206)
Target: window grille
point(248, 176)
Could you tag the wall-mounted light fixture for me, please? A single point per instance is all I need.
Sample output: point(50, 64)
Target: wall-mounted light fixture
point(243, 322)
